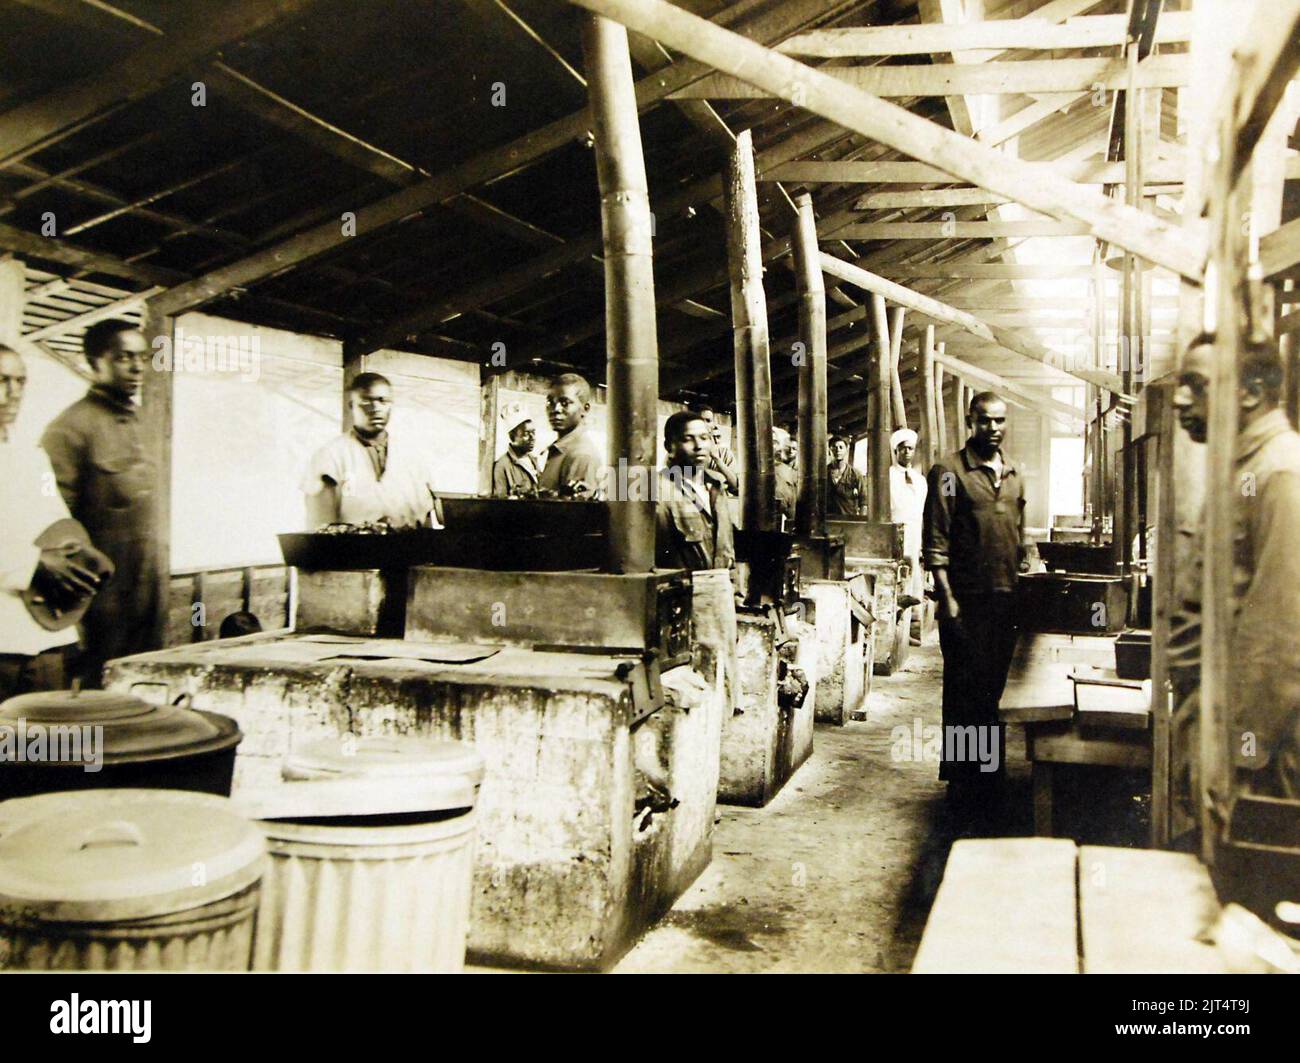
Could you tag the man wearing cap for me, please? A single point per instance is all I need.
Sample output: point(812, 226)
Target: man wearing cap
point(787, 480)
point(363, 476)
point(846, 488)
point(574, 466)
point(907, 490)
point(31, 655)
point(514, 475)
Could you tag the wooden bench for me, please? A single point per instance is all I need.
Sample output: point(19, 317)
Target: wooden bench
point(1047, 906)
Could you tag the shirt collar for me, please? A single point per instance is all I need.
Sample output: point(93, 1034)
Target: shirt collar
point(972, 461)
point(563, 444)
point(112, 399)
point(1272, 424)
point(379, 441)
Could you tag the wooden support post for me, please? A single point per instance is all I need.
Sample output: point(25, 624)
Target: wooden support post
point(353, 366)
point(632, 354)
point(12, 299)
point(879, 455)
point(751, 343)
point(156, 437)
point(810, 516)
point(942, 443)
point(895, 352)
point(928, 412)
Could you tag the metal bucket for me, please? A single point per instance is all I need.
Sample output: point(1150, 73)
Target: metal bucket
point(127, 880)
point(372, 857)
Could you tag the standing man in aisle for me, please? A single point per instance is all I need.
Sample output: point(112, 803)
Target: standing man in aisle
point(973, 541)
point(907, 491)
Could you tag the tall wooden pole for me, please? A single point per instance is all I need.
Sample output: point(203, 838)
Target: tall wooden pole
point(880, 380)
point(895, 353)
point(940, 414)
point(927, 397)
point(156, 436)
point(810, 516)
point(751, 341)
point(632, 352)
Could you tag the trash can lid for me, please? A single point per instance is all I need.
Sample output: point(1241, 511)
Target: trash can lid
point(106, 855)
point(132, 729)
point(391, 757)
point(385, 775)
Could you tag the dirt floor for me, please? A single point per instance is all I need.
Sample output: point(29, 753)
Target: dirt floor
point(838, 872)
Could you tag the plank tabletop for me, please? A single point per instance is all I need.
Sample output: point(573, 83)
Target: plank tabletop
point(1006, 905)
point(1144, 911)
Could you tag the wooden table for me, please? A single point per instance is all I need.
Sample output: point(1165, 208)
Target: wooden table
point(1040, 696)
point(1047, 906)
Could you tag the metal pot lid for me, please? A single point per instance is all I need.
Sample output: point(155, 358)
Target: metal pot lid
point(105, 855)
point(132, 729)
point(386, 757)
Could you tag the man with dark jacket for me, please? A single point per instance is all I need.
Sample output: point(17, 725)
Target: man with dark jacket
point(106, 478)
point(973, 541)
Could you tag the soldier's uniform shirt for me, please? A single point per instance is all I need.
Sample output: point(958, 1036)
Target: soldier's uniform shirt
point(846, 491)
point(693, 524)
point(572, 457)
point(513, 476)
point(106, 478)
point(1265, 696)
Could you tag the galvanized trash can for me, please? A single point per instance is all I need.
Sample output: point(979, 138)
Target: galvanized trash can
point(96, 739)
point(128, 880)
point(372, 856)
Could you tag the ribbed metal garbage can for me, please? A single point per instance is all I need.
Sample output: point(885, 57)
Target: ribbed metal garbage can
point(127, 880)
point(372, 857)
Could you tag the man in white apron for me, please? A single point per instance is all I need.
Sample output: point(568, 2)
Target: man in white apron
point(364, 476)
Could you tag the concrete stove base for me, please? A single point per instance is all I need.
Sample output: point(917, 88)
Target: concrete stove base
point(764, 743)
point(841, 683)
point(567, 873)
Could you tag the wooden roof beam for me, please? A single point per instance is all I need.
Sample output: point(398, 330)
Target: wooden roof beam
point(938, 311)
point(870, 116)
point(1030, 33)
point(43, 122)
point(1023, 77)
point(773, 25)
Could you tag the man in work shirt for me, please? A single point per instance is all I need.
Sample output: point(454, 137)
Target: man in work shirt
point(787, 480)
point(363, 476)
point(31, 657)
point(721, 458)
point(575, 467)
point(973, 541)
point(106, 478)
point(514, 474)
point(846, 488)
point(1264, 702)
point(694, 531)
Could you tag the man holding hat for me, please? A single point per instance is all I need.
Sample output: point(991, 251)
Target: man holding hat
point(44, 557)
point(907, 490)
point(514, 475)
